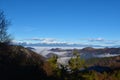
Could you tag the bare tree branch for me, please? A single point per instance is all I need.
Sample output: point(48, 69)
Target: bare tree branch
point(4, 36)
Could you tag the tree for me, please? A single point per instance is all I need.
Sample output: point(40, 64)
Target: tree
point(75, 63)
point(4, 23)
point(53, 62)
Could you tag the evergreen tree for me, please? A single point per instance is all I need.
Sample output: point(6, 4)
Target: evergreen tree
point(75, 63)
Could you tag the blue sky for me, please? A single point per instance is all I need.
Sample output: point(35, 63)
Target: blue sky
point(79, 21)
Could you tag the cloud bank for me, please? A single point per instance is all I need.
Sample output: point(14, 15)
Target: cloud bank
point(90, 42)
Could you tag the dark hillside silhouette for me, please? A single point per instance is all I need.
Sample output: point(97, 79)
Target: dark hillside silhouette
point(19, 63)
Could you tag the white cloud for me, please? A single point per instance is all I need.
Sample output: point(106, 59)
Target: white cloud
point(88, 41)
point(48, 40)
point(103, 41)
point(42, 40)
point(112, 41)
point(96, 39)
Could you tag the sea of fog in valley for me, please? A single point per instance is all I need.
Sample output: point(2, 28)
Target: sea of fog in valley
point(65, 53)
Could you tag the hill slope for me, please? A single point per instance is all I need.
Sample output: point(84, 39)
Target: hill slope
point(19, 63)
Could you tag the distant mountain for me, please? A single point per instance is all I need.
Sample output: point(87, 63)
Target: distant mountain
point(56, 44)
point(85, 52)
point(101, 51)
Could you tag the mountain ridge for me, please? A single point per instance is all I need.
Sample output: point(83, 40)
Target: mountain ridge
point(19, 63)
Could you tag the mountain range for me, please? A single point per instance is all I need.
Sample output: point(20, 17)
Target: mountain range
point(57, 44)
point(64, 45)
